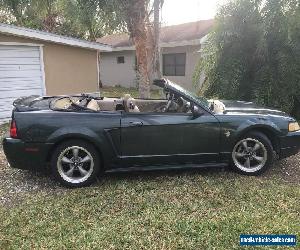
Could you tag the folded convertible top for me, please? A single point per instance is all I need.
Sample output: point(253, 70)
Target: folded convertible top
point(33, 102)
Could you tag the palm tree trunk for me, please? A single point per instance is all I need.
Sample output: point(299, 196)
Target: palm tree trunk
point(145, 37)
point(156, 31)
point(140, 42)
point(136, 15)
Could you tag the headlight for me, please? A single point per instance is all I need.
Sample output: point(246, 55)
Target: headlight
point(293, 126)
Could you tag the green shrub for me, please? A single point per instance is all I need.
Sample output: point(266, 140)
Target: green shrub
point(253, 54)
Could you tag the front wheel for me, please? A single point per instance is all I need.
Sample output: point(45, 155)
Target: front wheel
point(252, 154)
point(75, 163)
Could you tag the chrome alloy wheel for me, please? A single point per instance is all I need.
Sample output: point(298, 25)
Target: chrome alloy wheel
point(75, 164)
point(249, 155)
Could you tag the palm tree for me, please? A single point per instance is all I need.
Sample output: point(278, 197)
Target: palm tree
point(137, 15)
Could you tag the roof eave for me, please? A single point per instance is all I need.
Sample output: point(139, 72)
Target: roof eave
point(163, 45)
point(49, 37)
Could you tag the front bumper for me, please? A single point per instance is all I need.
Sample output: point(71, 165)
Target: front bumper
point(24, 155)
point(289, 144)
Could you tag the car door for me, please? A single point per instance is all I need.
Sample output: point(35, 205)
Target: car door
point(169, 138)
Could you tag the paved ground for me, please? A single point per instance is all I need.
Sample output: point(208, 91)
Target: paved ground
point(16, 185)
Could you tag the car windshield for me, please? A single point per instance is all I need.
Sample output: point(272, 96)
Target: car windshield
point(203, 101)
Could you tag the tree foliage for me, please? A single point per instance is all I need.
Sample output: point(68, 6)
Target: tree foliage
point(91, 19)
point(87, 19)
point(253, 54)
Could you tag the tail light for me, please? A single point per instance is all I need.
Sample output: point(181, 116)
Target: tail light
point(13, 129)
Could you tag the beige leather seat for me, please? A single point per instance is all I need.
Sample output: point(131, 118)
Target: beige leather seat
point(93, 105)
point(63, 103)
point(108, 104)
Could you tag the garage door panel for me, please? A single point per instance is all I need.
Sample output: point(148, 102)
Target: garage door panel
point(19, 61)
point(18, 49)
point(9, 108)
point(24, 67)
point(20, 75)
point(5, 116)
point(25, 81)
point(4, 95)
point(12, 54)
point(20, 88)
point(9, 101)
point(20, 84)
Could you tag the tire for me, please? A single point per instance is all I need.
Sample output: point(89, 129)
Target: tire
point(75, 163)
point(252, 154)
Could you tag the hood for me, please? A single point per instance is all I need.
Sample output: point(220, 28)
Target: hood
point(249, 107)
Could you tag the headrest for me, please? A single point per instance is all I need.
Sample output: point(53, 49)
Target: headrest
point(93, 105)
point(130, 103)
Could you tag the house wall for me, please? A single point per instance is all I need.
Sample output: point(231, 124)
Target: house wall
point(113, 73)
point(124, 74)
point(192, 58)
point(68, 69)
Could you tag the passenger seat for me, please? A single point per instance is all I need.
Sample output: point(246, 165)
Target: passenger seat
point(130, 104)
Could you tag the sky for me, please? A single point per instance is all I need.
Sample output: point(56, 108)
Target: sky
point(183, 11)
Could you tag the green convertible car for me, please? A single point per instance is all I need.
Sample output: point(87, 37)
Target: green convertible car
point(81, 136)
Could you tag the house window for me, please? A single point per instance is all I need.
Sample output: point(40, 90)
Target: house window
point(174, 64)
point(120, 59)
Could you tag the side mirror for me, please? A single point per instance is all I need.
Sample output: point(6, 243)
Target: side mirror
point(196, 112)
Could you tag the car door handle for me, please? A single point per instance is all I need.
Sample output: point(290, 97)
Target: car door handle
point(136, 123)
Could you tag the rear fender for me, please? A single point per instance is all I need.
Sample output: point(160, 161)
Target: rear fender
point(98, 140)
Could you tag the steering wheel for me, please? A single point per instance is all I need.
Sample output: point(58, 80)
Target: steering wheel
point(165, 107)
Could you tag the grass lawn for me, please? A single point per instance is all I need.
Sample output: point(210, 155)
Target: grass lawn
point(195, 210)
point(182, 209)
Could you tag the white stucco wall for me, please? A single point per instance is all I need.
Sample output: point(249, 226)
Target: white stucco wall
point(192, 57)
point(112, 73)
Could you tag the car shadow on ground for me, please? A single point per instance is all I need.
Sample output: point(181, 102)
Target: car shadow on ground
point(287, 170)
point(152, 174)
point(18, 184)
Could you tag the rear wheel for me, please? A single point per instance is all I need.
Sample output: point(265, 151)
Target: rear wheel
point(252, 154)
point(75, 163)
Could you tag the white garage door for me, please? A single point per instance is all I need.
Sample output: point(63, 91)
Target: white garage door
point(21, 74)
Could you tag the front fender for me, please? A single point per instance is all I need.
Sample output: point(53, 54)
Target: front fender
point(256, 124)
point(231, 131)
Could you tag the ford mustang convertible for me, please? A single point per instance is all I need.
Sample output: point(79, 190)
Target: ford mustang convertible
point(81, 136)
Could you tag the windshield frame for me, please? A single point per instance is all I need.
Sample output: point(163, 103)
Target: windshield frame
point(171, 86)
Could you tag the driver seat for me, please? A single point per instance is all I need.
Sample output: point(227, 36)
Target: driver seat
point(93, 105)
